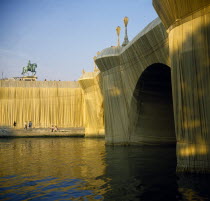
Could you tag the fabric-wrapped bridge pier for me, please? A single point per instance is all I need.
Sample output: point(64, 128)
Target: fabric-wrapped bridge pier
point(157, 88)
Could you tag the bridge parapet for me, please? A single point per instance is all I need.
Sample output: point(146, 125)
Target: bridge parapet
point(108, 58)
point(149, 40)
point(88, 79)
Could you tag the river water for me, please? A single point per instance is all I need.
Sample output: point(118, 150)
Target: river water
point(86, 169)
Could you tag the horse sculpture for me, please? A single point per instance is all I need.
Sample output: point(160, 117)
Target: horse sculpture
point(30, 67)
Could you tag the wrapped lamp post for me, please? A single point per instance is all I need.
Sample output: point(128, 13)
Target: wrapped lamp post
point(126, 41)
point(118, 35)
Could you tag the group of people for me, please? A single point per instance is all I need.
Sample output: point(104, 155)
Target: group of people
point(29, 125)
point(54, 128)
point(26, 125)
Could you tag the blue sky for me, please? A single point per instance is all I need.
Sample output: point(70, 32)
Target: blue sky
point(63, 36)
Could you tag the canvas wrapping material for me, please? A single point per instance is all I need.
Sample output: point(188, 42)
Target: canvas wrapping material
point(189, 52)
point(121, 69)
point(186, 51)
point(44, 103)
point(93, 103)
point(188, 25)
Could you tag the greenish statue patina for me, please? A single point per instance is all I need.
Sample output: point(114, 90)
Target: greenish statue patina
point(30, 67)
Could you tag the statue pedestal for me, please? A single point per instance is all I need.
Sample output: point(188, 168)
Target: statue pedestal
point(29, 78)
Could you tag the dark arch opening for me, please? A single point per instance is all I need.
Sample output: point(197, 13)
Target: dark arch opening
point(153, 119)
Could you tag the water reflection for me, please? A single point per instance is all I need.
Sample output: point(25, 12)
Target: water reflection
point(194, 187)
point(51, 168)
point(84, 169)
point(38, 156)
point(141, 173)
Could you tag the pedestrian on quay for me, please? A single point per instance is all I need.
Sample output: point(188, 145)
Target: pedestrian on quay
point(25, 125)
point(14, 124)
point(52, 128)
point(55, 129)
point(30, 125)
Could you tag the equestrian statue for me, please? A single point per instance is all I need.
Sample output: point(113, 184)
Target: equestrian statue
point(30, 67)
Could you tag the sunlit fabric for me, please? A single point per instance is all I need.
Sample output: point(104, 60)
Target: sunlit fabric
point(93, 103)
point(44, 103)
point(178, 39)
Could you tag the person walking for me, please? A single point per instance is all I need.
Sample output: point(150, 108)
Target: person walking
point(25, 125)
point(14, 124)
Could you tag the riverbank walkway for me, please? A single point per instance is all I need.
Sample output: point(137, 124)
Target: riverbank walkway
point(41, 132)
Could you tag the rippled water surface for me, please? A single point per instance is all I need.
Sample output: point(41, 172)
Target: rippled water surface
point(86, 169)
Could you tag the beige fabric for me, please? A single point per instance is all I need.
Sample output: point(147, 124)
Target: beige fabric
point(172, 11)
point(188, 23)
point(121, 70)
point(65, 104)
point(93, 104)
point(43, 103)
point(189, 52)
point(185, 49)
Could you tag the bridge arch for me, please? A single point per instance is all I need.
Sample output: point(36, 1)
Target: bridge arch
point(151, 110)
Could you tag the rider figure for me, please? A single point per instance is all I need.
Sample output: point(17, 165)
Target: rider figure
point(29, 63)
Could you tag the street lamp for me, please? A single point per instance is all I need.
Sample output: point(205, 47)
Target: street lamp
point(118, 35)
point(126, 41)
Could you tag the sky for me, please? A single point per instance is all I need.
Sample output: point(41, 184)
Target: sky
point(63, 36)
